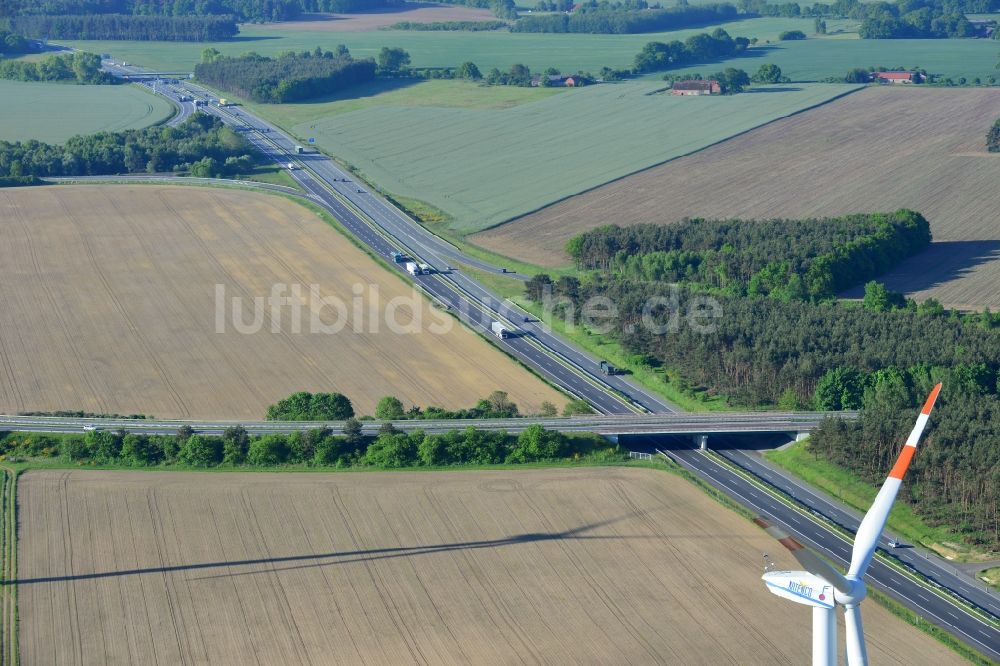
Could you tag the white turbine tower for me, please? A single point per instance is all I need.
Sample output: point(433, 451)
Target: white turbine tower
point(823, 587)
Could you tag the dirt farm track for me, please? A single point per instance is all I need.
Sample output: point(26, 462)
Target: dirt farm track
point(110, 304)
point(562, 566)
point(879, 149)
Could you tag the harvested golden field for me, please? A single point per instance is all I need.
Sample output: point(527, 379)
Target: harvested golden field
point(879, 149)
point(588, 565)
point(111, 304)
point(414, 12)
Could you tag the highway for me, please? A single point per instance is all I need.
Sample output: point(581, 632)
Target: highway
point(980, 630)
point(663, 423)
point(384, 229)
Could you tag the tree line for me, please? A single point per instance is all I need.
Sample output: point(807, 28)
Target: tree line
point(306, 406)
point(443, 26)
point(607, 20)
point(290, 77)
point(201, 143)
point(919, 19)
point(786, 259)
point(993, 138)
point(503, 9)
point(78, 66)
point(313, 448)
point(127, 26)
point(244, 11)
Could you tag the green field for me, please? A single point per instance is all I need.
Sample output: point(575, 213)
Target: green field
point(53, 112)
point(484, 166)
point(439, 93)
point(436, 49)
point(817, 59)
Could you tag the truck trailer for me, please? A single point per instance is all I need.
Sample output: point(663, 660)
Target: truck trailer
point(499, 330)
point(412, 268)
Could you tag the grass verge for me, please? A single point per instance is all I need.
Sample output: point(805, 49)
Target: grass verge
point(859, 495)
point(991, 577)
point(939, 634)
point(8, 566)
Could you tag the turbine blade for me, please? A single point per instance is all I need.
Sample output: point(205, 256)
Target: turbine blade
point(857, 653)
point(809, 560)
point(874, 521)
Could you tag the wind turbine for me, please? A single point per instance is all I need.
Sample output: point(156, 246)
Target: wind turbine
point(822, 586)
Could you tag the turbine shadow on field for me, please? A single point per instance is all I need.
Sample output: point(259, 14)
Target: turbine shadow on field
point(352, 556)
point(939, 264)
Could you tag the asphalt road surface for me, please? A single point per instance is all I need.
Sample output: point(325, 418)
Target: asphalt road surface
point(981, 634)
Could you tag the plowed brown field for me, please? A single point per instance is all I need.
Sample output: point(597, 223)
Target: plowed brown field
point(566, 566)
point(108, 300)
point(878, 149)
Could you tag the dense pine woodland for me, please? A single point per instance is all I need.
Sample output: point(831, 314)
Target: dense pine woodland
point(243, 10)
point(800, 259)
point(767, 342)
point(607, 20)
point(291, 77)
point(201, 145)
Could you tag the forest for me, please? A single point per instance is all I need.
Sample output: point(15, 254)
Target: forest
point(291, 77)
point(759, 349)
point(787, 259)
point(702, 47)
point(77, 66)
point(953, 480)
point(201, 145)
point(319, 447)
point(126, 26)
point(252, 11)
point(625, 21)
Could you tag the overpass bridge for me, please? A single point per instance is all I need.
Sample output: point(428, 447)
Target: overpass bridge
point(698, 426)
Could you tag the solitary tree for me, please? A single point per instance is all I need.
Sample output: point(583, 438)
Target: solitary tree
point(393, 59)
point(389, 408)
point(468, 70)
point(768, 73)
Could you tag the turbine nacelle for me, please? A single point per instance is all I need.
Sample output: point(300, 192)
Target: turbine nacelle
point(801, 587)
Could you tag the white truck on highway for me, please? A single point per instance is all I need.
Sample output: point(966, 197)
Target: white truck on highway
point(412, 268)
point(425, 269)
point(499, 330)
